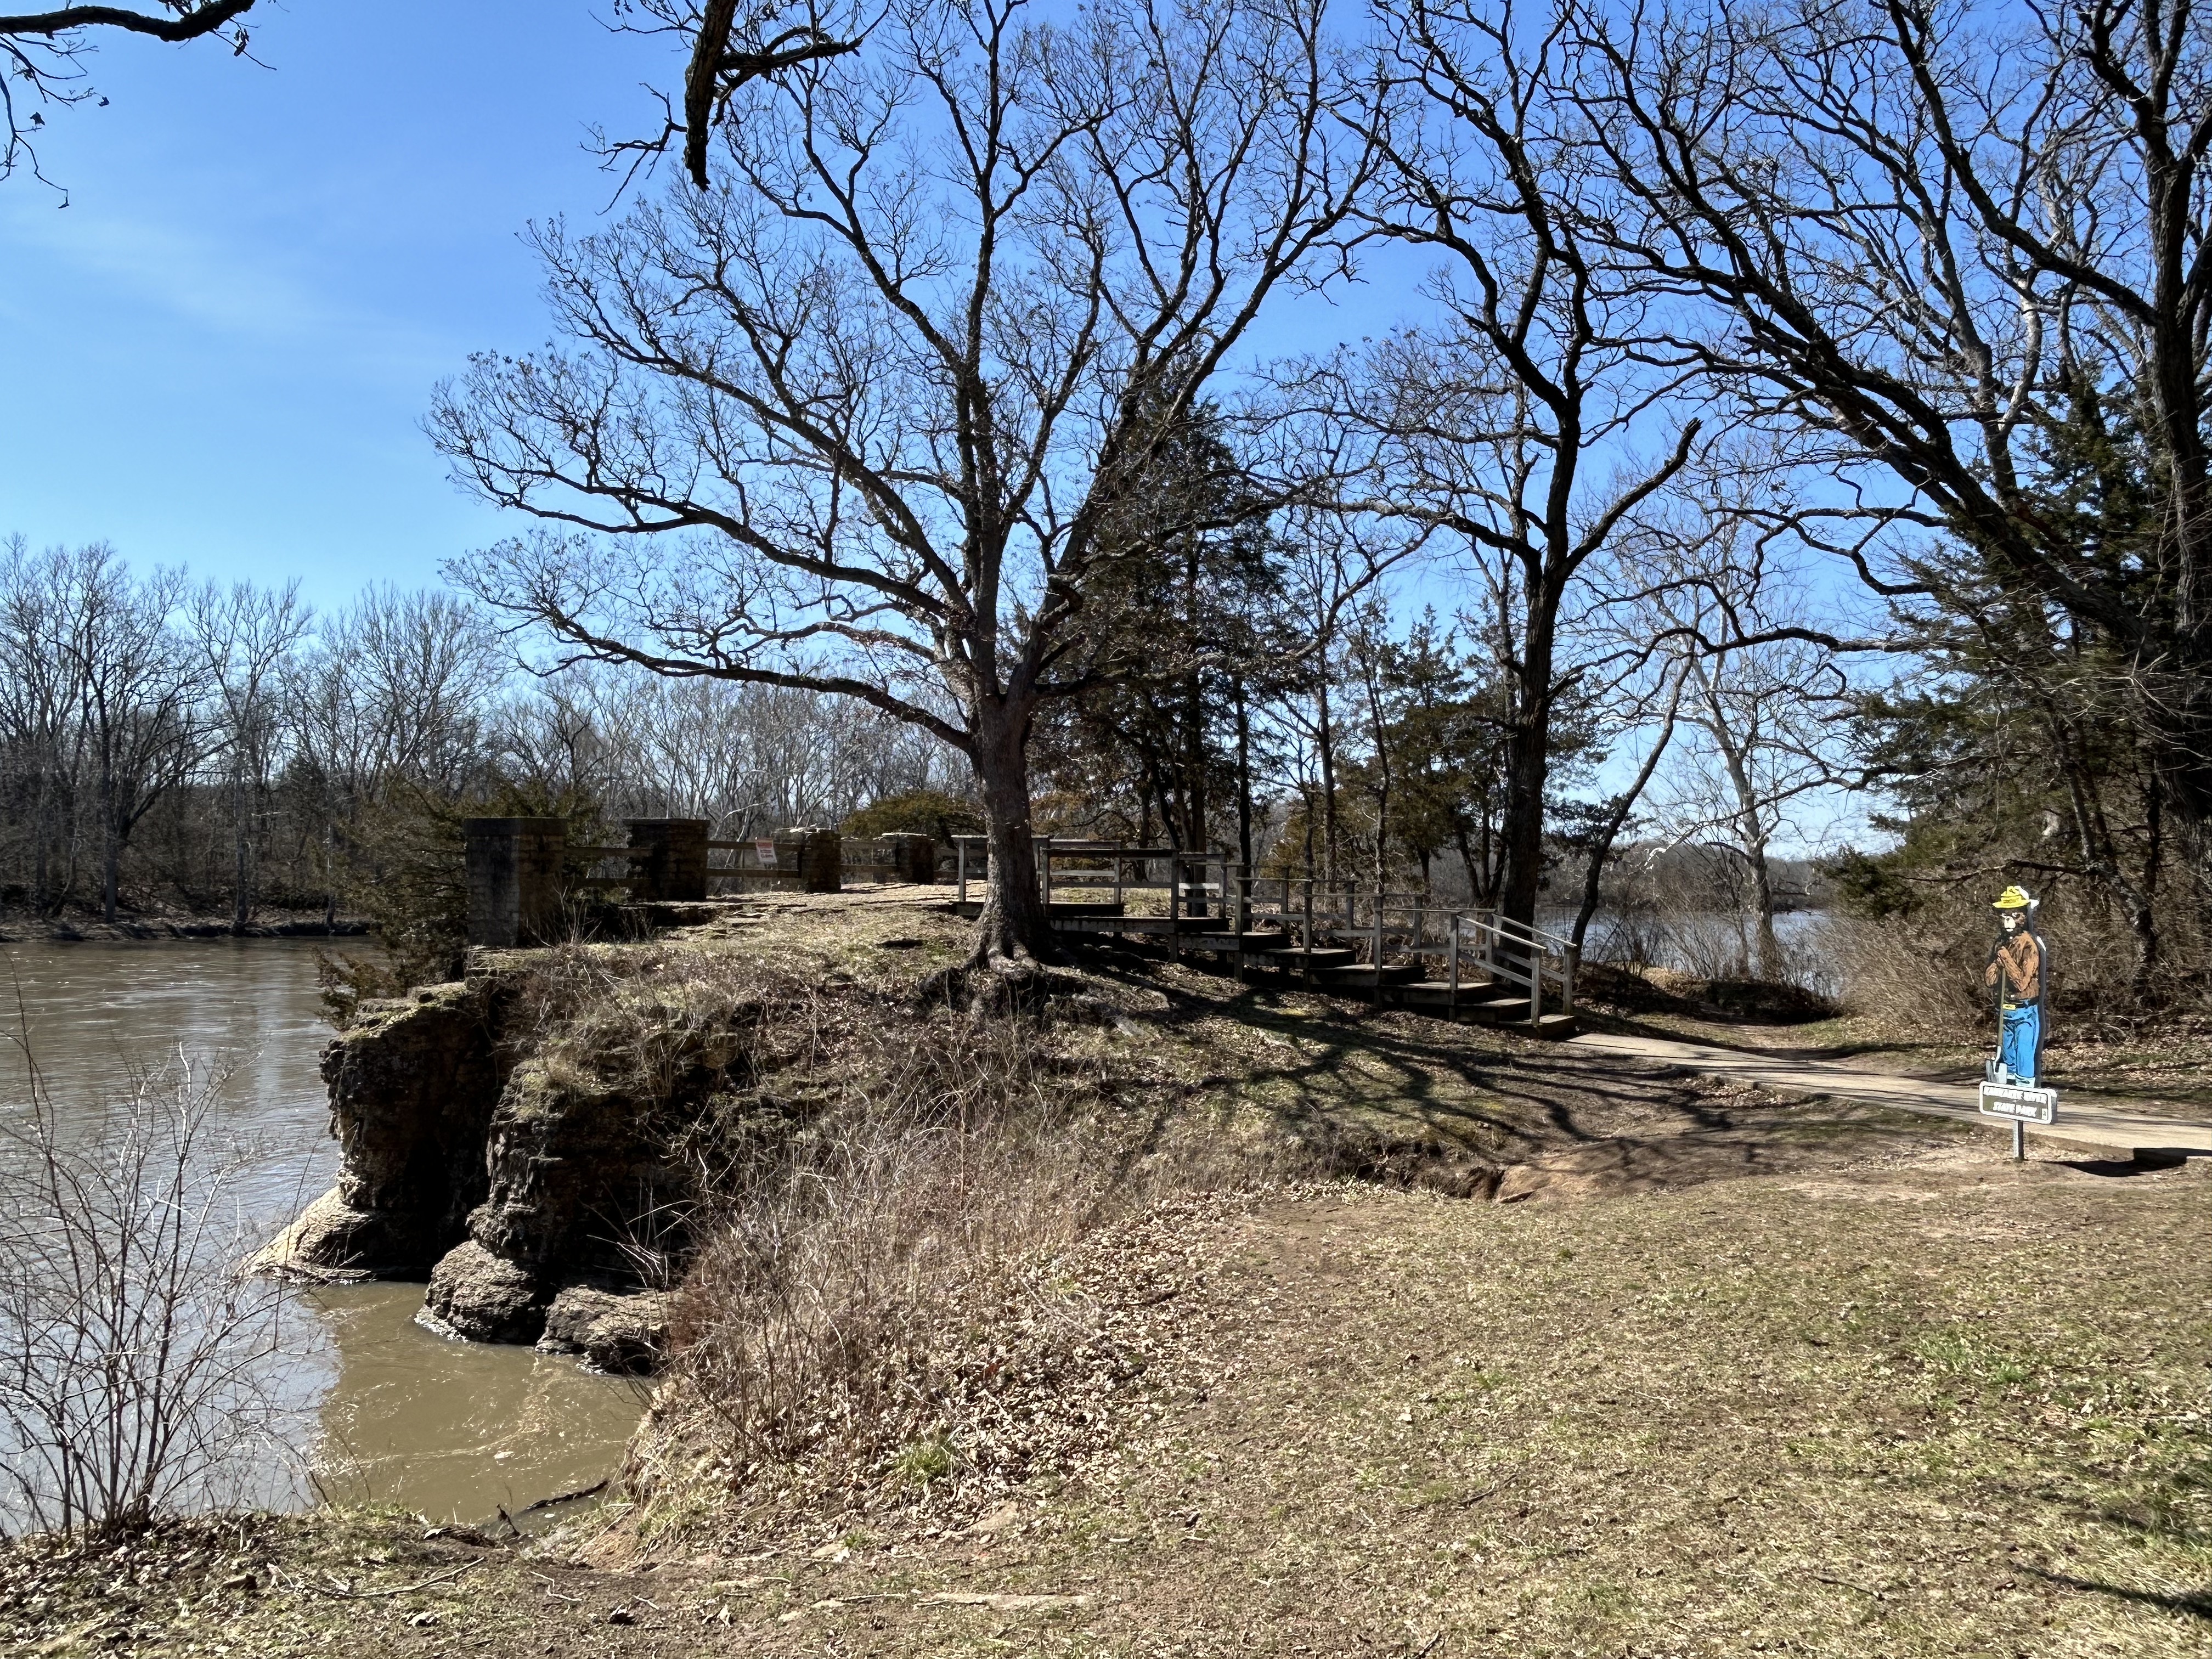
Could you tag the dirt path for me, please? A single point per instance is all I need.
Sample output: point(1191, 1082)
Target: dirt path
point(2084, 1129)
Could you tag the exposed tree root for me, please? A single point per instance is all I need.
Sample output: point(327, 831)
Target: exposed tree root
point(994, 984)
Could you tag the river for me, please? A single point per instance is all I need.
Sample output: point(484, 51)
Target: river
point(393, 1414)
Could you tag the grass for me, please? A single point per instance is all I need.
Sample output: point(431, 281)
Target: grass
point(1742, 1374)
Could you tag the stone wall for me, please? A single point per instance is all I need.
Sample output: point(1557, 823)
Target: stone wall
point(668, 859)
point(513, 867)
point(911, 857)
point(818, 855)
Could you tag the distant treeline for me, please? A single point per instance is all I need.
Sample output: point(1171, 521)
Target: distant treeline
point(226, 749)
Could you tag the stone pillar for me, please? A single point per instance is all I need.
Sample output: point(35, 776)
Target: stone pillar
point(668, 859)
point(912, 857)
point(515, 879)
point(818, 855)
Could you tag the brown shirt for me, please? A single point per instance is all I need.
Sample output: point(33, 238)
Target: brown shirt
point(2021, 960)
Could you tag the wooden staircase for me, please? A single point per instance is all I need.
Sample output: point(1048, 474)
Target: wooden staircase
point(1402, 950)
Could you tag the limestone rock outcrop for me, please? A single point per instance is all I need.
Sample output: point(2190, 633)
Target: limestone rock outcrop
point(527, 1190)
point(412, 1084)
point(486, 1297)
point(626, 1334)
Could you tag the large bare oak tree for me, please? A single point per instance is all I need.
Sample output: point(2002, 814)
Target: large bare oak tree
point(1946, 247)
point(853, 419)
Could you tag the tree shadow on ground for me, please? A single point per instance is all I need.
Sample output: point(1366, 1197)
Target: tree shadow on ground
point(1349, 1080)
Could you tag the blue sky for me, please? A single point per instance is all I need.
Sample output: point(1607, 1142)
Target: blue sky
point(220, 352)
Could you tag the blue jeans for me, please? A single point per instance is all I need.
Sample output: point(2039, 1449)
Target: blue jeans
point(2021, 1034)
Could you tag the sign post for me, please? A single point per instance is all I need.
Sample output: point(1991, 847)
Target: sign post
point(2023, 1104)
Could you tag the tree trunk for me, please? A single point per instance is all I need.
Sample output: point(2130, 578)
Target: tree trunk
point(1616, 817)
point(1193, 717)
point(1762, 899)
point(42, 831)
point(1243, 778)
point(1328, 789)
point(1013, 928)
point(1527, 768)
point(111, 850)
point(241, 908)
point(1475, 878)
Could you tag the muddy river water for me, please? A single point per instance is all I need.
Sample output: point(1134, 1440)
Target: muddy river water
point(389, 1411)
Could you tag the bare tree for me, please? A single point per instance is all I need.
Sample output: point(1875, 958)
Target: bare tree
point(137, 692)
point(41, 698)
point(1515, 426)
point(854, 423)
point(747, 758)
point(394, 690)
point(1330, 564)
point(1767, 721)
point(1710, 606)
point(42, 55)
point(1609, 817)
point(244, 637)
point(1946, 249)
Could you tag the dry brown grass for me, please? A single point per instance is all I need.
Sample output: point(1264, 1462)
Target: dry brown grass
point(837, 1287)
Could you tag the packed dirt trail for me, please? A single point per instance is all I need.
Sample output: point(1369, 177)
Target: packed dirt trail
point(2084, 1128)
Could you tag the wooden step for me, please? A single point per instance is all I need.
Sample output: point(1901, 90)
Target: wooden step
point(1364, 975)
point(1484, 1005)
point(1557, 1027)
point(1320, 956)
point(1472, 994)
point(1058, 910)
point(1260, 943)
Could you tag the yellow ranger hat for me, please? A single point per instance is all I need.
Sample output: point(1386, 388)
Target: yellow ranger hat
point(2013, 898)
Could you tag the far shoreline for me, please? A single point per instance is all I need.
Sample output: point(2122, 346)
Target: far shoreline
point(23, 927)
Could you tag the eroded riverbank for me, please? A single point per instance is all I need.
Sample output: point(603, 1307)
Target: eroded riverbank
point(385, 1411)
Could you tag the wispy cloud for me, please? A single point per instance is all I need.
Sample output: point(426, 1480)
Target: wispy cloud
point(238, 287)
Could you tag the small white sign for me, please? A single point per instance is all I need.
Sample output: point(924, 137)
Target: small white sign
point(2020, 1102)
point(765, 852)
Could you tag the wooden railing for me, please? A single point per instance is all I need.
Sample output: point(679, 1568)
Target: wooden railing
point(1473, 944)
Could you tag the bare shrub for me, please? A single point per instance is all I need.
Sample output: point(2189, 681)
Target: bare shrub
point(1923, 972)
point(136, 1359)
point(830, 1329)
point(1921, 975)
point(1685, 932)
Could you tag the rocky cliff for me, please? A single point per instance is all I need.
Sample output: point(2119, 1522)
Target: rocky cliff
point(413, 1084)
point(540, 1194)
